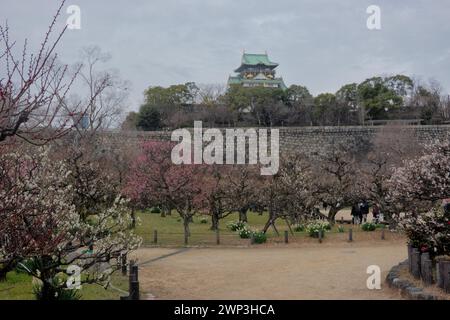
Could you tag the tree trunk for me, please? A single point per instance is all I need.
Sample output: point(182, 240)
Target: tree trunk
point(214, 222)
point(3, 272)
point(289, 226)
point(267, 225)
point(133, 218)
point(275, 228)
point(332, 214)
point(186, 221)
point(243, 215)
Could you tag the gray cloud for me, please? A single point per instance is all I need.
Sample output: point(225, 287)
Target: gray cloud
point(322, 44)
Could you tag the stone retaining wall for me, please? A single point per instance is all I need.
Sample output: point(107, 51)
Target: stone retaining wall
point(311, 140)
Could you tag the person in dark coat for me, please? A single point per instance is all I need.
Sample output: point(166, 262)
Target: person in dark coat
point(364, 210)
point(355, 213)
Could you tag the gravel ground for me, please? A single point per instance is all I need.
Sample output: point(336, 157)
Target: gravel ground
point(333, 271)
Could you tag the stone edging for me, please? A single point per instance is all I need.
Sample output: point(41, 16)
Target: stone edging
point(407, 289)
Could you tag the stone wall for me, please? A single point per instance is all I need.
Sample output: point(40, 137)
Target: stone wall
point(313, 140)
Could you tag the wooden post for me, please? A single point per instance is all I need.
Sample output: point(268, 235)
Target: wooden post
point(186, 239)
point(320, 236)
point(415, 263)
point(130, 276)
point(134, 290)
point(444, 275)
point(410, 257)
point(342, 220)
point(350, 235)
point(252, 239)
point(123, 264)
point(135, 272)
point(426, 268)
point(447, 278)
point(155, 236)
point(217, 236)
point(286, 237)
point(382, 233)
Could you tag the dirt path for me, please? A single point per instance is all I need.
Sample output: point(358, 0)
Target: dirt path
point(316, 272)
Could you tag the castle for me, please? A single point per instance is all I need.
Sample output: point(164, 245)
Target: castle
point(256, 70)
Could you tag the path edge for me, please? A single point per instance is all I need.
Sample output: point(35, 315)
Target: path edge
point(406, 288)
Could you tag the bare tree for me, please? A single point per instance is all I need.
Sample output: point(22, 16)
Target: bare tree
point(209, 94)
point(33, 88)
point(334, 180)
point(106, 90)
point(242, 183)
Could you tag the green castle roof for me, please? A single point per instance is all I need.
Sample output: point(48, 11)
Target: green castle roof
point(253, 59)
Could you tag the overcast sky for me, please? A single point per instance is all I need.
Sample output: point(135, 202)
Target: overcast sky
point(321, 44)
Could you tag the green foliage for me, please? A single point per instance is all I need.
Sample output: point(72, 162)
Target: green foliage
point(245, 233)
point(149, 118)
point(340, 229)
point(236, 225)
point(378, 98)
point(259, 237)
point(347, 95)
point(296, 94)
point(298, 227)
point(314, 227)
point(204, 219)
point(55, 292)
point(174, 95)
point(368, 226)
point(21, 286)
point(155, 210)
point(240, 98)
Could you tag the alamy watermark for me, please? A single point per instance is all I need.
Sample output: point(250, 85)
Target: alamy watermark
point(74, 20)
point(242, 146)
point(374, 20)
point(374, 280)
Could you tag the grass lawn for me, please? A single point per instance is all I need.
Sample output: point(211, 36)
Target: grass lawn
point(18, 286)
point(170, 229)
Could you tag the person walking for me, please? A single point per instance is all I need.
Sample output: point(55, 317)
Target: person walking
point(364, 211)
point(355, 213)
point(376, 213)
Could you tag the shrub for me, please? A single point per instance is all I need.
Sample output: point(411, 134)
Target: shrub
point(203, 219)
point(341, 229)
point(236, 225)
point(314, 227)
point(155, 210)
point(245, 233)
point(368, 226)
point(299, 227)
point(259, 237)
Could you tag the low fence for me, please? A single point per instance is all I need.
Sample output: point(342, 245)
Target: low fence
point(422, 267)
point(225, 238)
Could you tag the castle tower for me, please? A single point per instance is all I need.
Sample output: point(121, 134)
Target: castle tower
point(256, 70)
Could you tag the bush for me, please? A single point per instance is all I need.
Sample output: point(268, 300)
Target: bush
point(155, 210)
point(298, 227)
point(341, 229)
point(314, 227)
point(236, 225)
point(245, 233)
point(203, 219)
point(259, 237)
point(368, 226)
